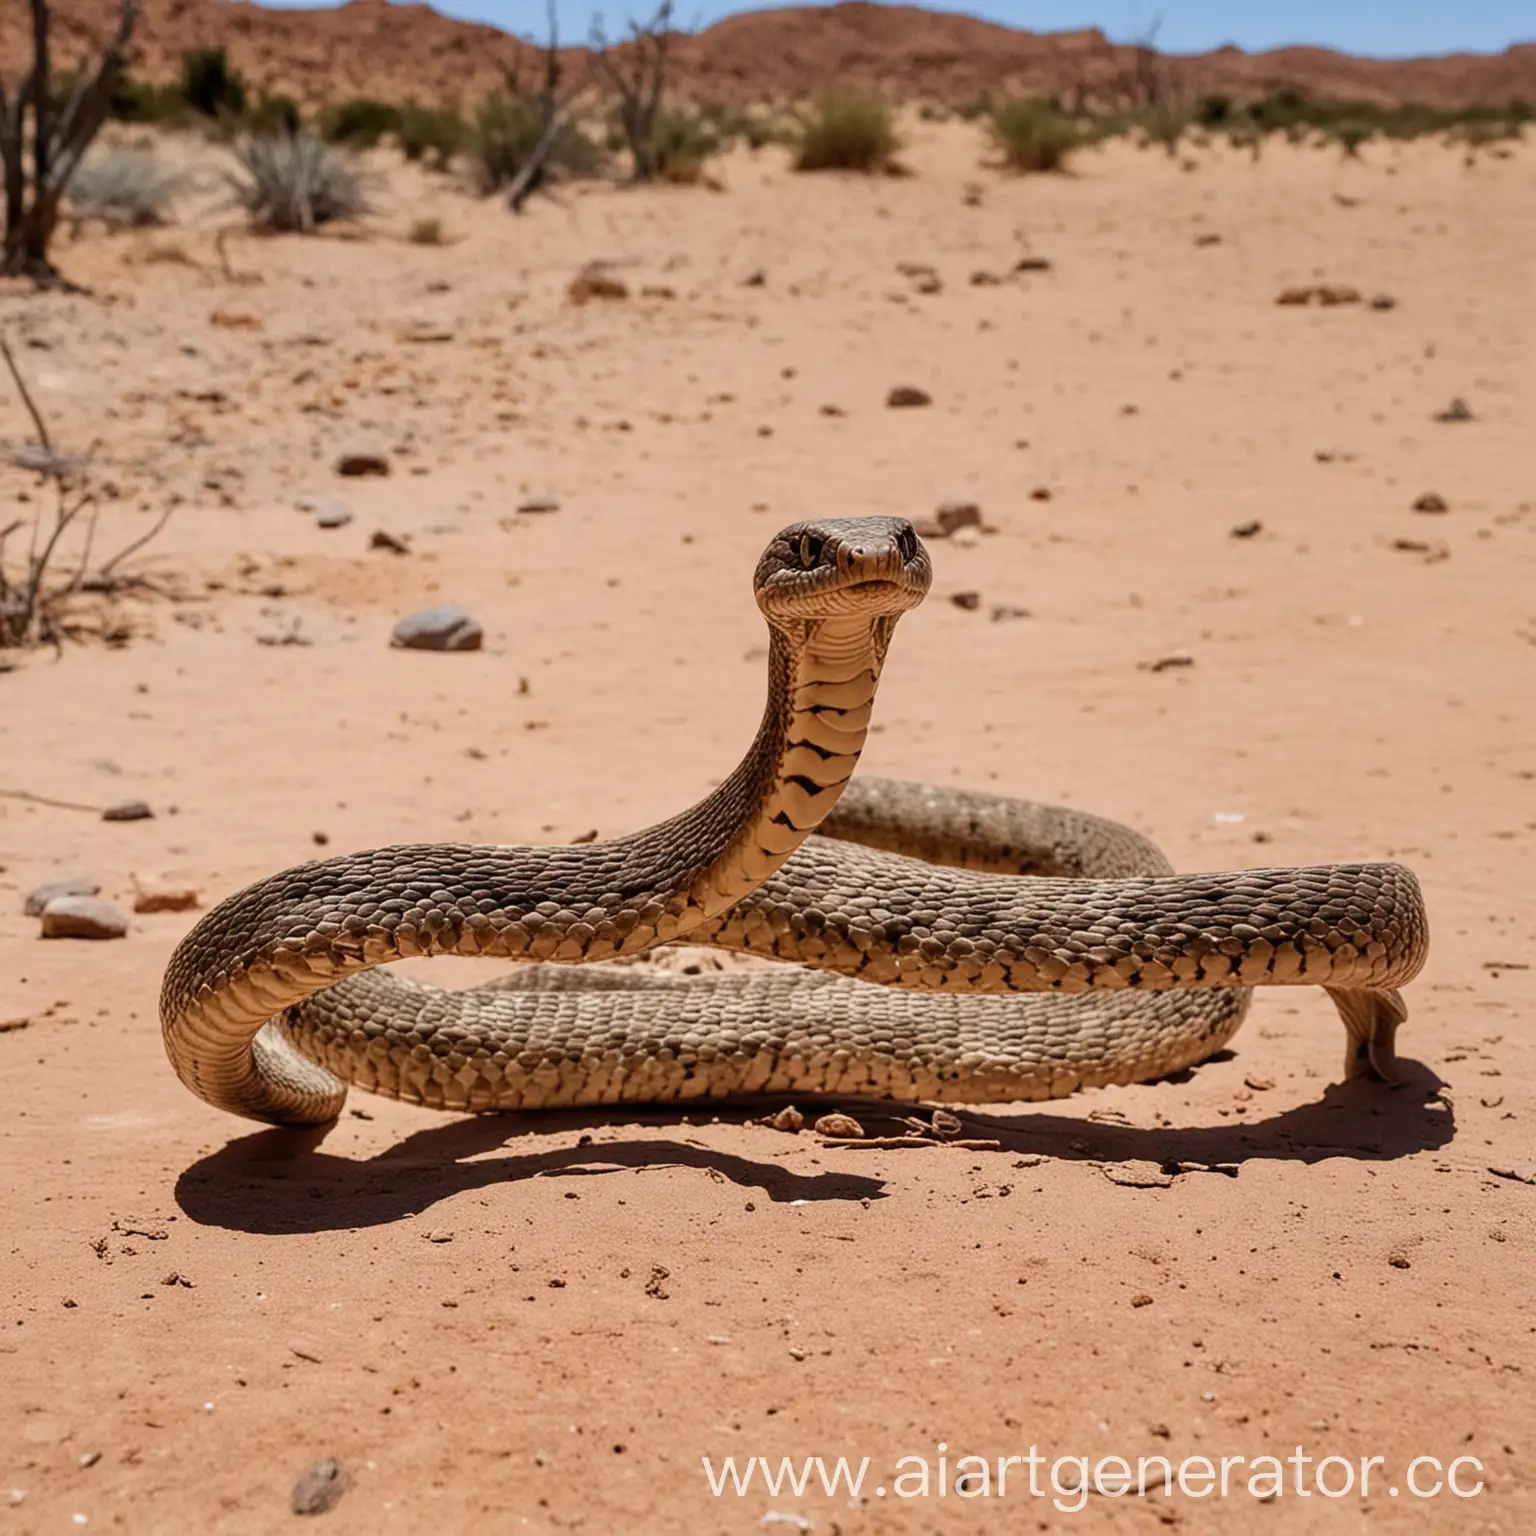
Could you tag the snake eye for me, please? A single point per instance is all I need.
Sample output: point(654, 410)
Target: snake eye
point(906, 542)
point(810, 551)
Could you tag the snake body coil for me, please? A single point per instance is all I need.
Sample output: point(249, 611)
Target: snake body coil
point(972, 913)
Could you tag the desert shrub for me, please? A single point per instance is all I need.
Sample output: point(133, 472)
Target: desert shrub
point(359, 122)
point(137, 101)
point(431, 134)
point(210, 85)
point(846, 133)
point(504, 134)
point(294, 183)
point(1214, 110)
point(1033, 135)
point(129, 188)
point(273, 115)
point(1164, 125)
point(1351, 134)
point(680, 144)
point(427, 232)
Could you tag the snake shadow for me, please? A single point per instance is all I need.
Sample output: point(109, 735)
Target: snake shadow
point(279, 1182)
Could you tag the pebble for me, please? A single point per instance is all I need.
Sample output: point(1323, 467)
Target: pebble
point(539, 504)
point(382, 539)
point(82, 917)
point(319, 1488)
point(1248, 529)
point(907, 395)
point(595, 284)
point(38, 899)
point(333, 514)
point(1431, 501)
point(1457, 410)
point(951, 516)
point(128, 810)
point(165, 898)
point(840, 1127)
point(444, 628)
point(969, 601)
point(356, 462)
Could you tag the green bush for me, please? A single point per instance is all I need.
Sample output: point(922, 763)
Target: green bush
point(137, 101)
point(293, 183)
point(1165, 125)
point(680, 144)
point(273, 115)
point(210, 86)
point(360, 122)
point(847, 133)
point(1214, 110)
point(1033, 135)
point(504, 134)
point(432, 134)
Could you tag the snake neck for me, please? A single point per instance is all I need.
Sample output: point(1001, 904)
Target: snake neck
point(822, 676)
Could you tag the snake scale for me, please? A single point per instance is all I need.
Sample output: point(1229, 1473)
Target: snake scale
point(944, 945)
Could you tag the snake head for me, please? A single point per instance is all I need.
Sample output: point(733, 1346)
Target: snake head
point(842, 566)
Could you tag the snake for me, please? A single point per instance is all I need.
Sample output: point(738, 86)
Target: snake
point(942, 944)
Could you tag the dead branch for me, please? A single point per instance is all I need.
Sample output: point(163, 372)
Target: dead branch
point(639, 81)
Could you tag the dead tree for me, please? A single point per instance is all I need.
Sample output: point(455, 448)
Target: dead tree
point(639, 80)
point(555, 105)
point(58, 139)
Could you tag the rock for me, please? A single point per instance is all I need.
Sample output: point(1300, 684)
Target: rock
point(357, 462)
point(165, 898)
point(1040, 493)
point(539, 504)
point(757, 279)
point(128, 810)
point(1431, 501)
point(38, 899)
point(384, 540)
point(82, 917)
point(1290, 296)
point(907, 395)
point(1248, 529)
point(787, 1119)
point(954, 515)
point(966, 538)
point(839, 1127)
point(444, 628)
point(1337, 294)
point(1383, 301)
point(319, 1488)
point(1168, 663)
point(333, 514)
point(1032, 264)
point(594, 283)
point(969, 601)
point(1457, 410)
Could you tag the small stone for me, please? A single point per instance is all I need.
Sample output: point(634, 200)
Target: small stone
point(1431, 501)
point(969, 601)
point(1383, 301)
point(333, 514)
point(1138, 1175)
point(128, 810)
point(1207, 239)
point(439, 1235)
point(1457, 410)
point(594, 283)
point(657, 291)
point(1330, 295)
point(953, 515)
point(1259, 1084)
point(787, 1119)
point(444, 628)
point(319, 1488)
point(38, 899)
point(1032, 264)
point(82, 917)
point(1290, 296)
point(320, 839)
point(981, 278)
point(1248, 529)
point(1168, 663)
point(905, 396)
point(1004, 612)
point(1141, 1299)
point(757, 279)
point(1040, 493)
point(357, 462)
point(384, 540)
point(839, 1127)
point(1397, 1261)
point(165, 898)
point(539, 504)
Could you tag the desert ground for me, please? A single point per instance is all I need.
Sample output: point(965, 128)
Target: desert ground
point(546, 1323)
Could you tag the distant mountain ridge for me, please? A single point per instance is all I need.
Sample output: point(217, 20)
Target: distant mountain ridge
point(399, 52)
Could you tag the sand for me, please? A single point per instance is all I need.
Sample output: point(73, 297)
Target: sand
point(545, 1323)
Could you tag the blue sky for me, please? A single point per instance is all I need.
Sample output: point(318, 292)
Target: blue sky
point(1385, 28)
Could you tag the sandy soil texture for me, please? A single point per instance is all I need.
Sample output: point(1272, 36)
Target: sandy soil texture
point(547, 1324)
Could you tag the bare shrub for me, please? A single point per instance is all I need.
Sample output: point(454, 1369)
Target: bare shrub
point(294, 183)
point(126, 188)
